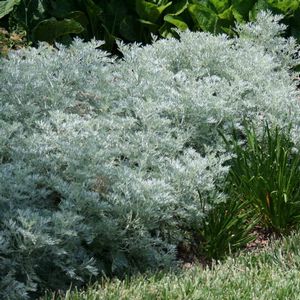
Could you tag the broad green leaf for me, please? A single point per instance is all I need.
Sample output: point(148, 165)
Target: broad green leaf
point(128, 28)
point(174, 18)
point(241, 9)
point(178, 8)
point(79, 17)
point(226, 14)
point(50, 29)
point(150, 11)
point(95, 14)
point(114, 13)
point(161, 8)
point(259, 6)
point(204, 18)
point(166, 30)
point(148, 24)
point(220, 5)
point(62, 8)
point(228, 31)
point(7, 6)
point(176, 21)
point(284, 6)
point(109, 38)
point(93, 8)
point(238, 16)
point(38, 8)
point(29, 14)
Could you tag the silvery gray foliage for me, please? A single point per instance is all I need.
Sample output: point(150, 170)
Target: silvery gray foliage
point(266, 35)
point(104, 163)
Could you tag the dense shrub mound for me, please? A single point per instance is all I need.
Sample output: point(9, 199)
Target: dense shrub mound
point(105, 164)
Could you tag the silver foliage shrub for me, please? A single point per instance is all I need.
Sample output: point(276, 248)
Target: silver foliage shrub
point(105, 162)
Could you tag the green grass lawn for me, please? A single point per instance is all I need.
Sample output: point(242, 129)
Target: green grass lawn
point(272, 273)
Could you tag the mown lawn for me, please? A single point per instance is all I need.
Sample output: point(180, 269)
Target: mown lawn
point(272, 273)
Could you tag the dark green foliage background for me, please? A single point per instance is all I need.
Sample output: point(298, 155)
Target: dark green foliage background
point(135, 20)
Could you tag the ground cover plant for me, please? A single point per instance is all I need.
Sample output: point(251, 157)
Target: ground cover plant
point(107, 165)
point(273, 273)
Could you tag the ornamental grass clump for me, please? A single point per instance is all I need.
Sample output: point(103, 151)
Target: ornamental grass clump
point(102, 161)
point(265, 174)
point(227, 228)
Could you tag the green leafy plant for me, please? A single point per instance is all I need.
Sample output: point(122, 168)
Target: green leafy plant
point(226, 229)
point(104, 20)
point(136, 20)
point(266, 172)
